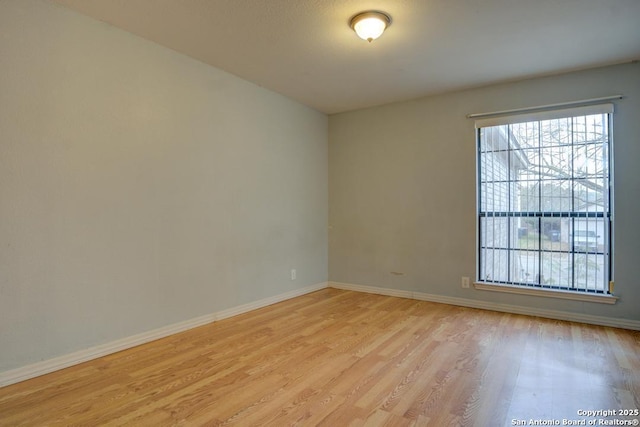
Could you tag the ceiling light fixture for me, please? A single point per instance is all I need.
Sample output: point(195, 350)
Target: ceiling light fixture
point(370, 25)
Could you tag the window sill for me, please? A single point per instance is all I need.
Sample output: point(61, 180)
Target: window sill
point(552, 293)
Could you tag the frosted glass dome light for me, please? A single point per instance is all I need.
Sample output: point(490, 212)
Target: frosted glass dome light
point(370, 25)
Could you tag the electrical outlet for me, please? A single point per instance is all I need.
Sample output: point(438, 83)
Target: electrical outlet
point(465, 282)
point(293, 274)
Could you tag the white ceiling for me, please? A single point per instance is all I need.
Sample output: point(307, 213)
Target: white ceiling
point(304, 49)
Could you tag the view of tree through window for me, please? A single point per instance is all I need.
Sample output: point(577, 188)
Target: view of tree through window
point(544, 200)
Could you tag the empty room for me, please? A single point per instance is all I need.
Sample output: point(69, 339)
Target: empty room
point(319, 212)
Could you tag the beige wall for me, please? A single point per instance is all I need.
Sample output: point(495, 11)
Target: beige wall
point(402, 189)
point(140, 188)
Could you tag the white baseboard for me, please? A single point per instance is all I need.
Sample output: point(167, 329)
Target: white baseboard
point(46, 366)
point(269, 301)
point(486, 305)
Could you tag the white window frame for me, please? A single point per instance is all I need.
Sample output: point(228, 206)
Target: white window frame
point(539, 289)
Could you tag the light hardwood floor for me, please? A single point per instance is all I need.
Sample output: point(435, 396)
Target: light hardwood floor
point(341, 358)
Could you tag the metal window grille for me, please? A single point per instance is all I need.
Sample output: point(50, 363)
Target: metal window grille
point(544, 200)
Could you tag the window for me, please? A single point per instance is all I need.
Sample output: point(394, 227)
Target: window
point(544, 204)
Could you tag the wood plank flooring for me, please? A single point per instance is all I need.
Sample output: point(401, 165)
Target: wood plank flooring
point(341, 358)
